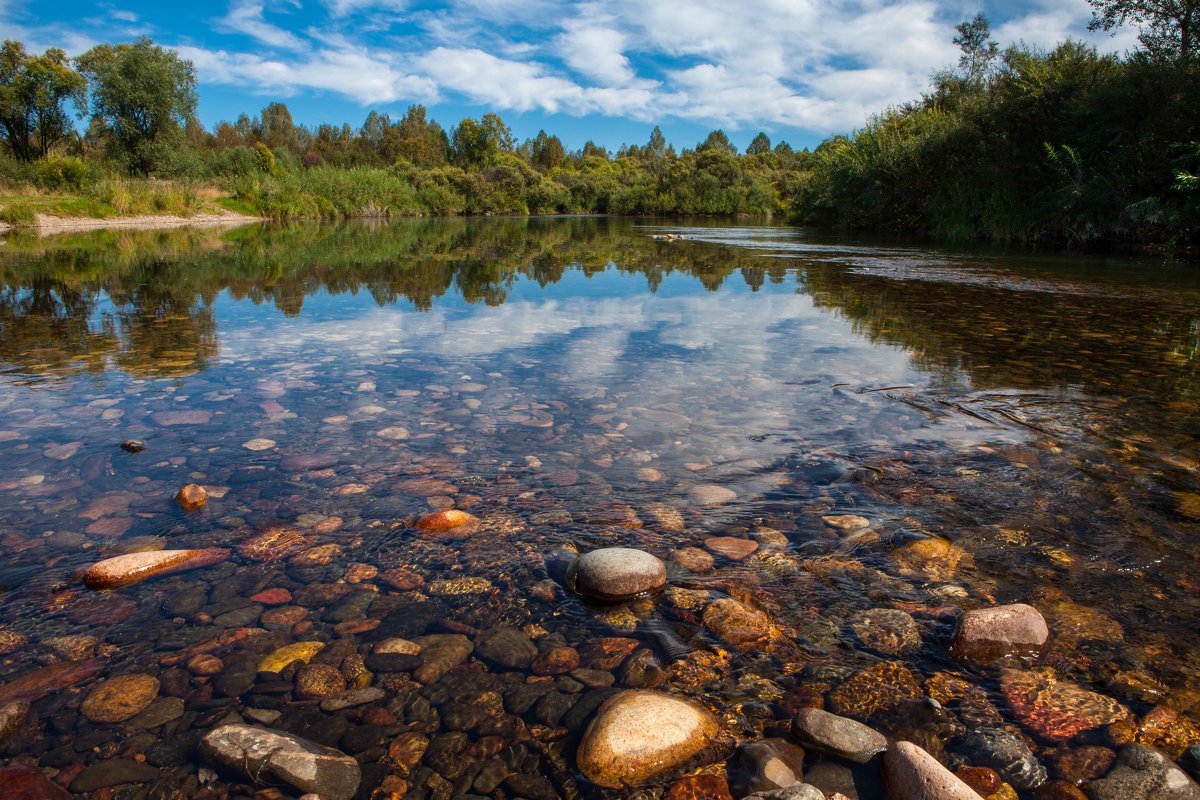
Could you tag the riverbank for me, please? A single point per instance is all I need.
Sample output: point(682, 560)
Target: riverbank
point(54, 214)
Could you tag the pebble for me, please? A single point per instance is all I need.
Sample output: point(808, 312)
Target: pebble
point(638, 735)
point(300, 651)
point(736, 622)
point(268, 756)
point(1055, 710)
point(447, 525)
point(12, 641)
point(829, 733)
point(693, 559)
point(131, 568)
point(1002, 633)
point(731, 547)
point(191, 497)
point(846, 523)
point(616, 574)
point(112, 772)
point(259, 444)
point(1005, 753)
point(26, 783)
point(1143, 773)
point(396, 645)
point(911, 773)
point(507, 647)
point(120, 698)
point(316, 681)
point(708, 494)
point(768, 764)
point(887, 630)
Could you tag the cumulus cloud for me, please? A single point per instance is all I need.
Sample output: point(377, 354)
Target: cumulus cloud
point(815, 65)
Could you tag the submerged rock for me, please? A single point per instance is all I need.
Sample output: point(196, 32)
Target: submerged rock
point(887, 630)
point(1005, 753)
point(120, 698)
point(766, 765)
point(1001, 633)
point(27, 783)
point(840, 736)
point(300, 651)
point(1143, 773)
point(131, 568)
point(638, 735)
point(736, 622)
point(911, 773)
point(266, 756)
point(1055, 710)
point(449, 524)
point(616, 574)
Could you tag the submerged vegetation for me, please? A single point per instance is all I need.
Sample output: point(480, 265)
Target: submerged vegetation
point(1062, 146)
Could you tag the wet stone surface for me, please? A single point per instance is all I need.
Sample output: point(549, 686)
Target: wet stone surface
point(296, 510)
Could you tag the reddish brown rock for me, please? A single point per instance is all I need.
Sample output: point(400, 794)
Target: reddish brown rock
point(1168, 730)
point(556, 661)
point(736, 622)
point(1059, 790)
point(402, 579)
point(191, 497)
point(131, 568)
point(120, 698)
point(425, 487)
point(283, 616)
point(731, 547)
point(1079, 764)
point(607, 653)
point(48, 680)
point(1001, 633)
point(205, 665)
point(983, 780)
point(27, 783)
point(353, 627)
point(98, 610)
point(693, 559)
point(1054, 710)
point(879, 687)
point(699, 787)
point(12, 641)
point(109, 526)
point(272, 597)
point(911, 773)
point(276, 543)
point(446, 525)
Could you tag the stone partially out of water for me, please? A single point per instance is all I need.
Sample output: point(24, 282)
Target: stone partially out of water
point(911, 773)
point(131, 568)
point(616, 574)
point(269, 756)
point(994, 634)
point(638, 735)
point(449, 524)
point(1143, 773)
point(191, 497)
point(840, 736)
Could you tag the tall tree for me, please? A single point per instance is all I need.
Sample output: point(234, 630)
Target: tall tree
point(718, 141)
point(34, 92)
point(277, 130)
point(546, 152)
point(479, 143)
point(421, 141)
point(978, 50)
point(1170, 29)
point(761, 144)
point(143, 94)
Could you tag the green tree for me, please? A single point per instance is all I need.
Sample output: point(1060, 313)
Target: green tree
point(34, 92)
point(593, 150)
point(546, 152)
point(656, 148)
point(421, 141)
point(479, 143)
point(143, 95)
point(1170, 29)
point(978, 50)
point(277, 130)
point(761, 144)
point(718, 141)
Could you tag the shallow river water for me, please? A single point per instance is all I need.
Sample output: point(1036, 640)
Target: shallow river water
point(853, 441)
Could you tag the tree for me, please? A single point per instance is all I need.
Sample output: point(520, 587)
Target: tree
point(479, 143)
point(546, 152)
point(34, 91)
point(1170, 29)
point(277, 130)
point(978, 51)
point(717, 140)
point(143, 95)
point(593, 150)
point(421, 141)
point(760, 145)
point(656, 148)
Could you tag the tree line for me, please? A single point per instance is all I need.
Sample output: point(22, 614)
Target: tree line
point(1065, 145)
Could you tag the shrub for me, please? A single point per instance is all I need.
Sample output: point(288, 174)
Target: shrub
point(18, 214)
point(58, 174)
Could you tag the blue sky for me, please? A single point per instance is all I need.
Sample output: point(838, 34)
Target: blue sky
point(609, 71)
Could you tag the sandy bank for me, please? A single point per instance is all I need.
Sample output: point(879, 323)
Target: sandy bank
point(48, 225)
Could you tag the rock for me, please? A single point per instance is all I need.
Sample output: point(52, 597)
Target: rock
point(911, 773)
point(13, 716)
point(983, 780)
point(309, 462)
point(878, 688)
point(937, 559)
point(768, 764)
point(191, 497)
point(112, 772)
point(446, 525)
point(1079, 764)
point(120, 698)
point(169, 418)
point(616, 575)
point(1143, 773)
point(272, 597)
point(638, 735)
point(1005, 753)
point(839, 736)
point(27, 783)
point(266, 756)
point(397, 646)
point(736, 622)
point(1168, 730)
point(12, 641)
point(159, 712)
point(300, 651)
point(731, 547)
point(698, 787)
point(315, 681)
point(276, 543)
point(558, 660)
point(708, 494)
point(1059, 790)
point(1002, 633)
point(48, 680)
point(351, 698)
point(131, 568)
point(887, 630)
point(439, 654)
point(801, 791)
point(693, 559)
point(846, 523)
point(507, 647)
point(402, 580)
point(1055, 710)
point(133, 446)
point(607, 652)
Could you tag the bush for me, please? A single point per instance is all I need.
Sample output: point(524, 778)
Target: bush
point(58, 174)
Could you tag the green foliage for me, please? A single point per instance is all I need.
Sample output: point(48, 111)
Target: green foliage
point(18, 214)
point(34, 94)
point(142, 95)
point(1168, 29)
point(59, 174)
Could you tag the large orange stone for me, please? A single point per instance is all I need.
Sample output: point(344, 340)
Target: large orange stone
point(449, 524)
point(131, 568)
point(191, 497)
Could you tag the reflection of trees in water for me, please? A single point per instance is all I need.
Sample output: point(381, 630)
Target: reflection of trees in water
point(163, 286)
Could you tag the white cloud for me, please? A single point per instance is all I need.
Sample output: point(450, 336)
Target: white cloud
point(246, 17)
point(596, 52)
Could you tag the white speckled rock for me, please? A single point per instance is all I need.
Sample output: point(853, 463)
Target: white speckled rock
point(616, 574)
point(911, 773)
point(637, 735)
point(270, 756)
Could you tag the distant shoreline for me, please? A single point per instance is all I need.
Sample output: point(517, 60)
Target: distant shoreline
point(51, 225)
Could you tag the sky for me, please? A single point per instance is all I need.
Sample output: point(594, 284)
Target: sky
point(798, 70)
